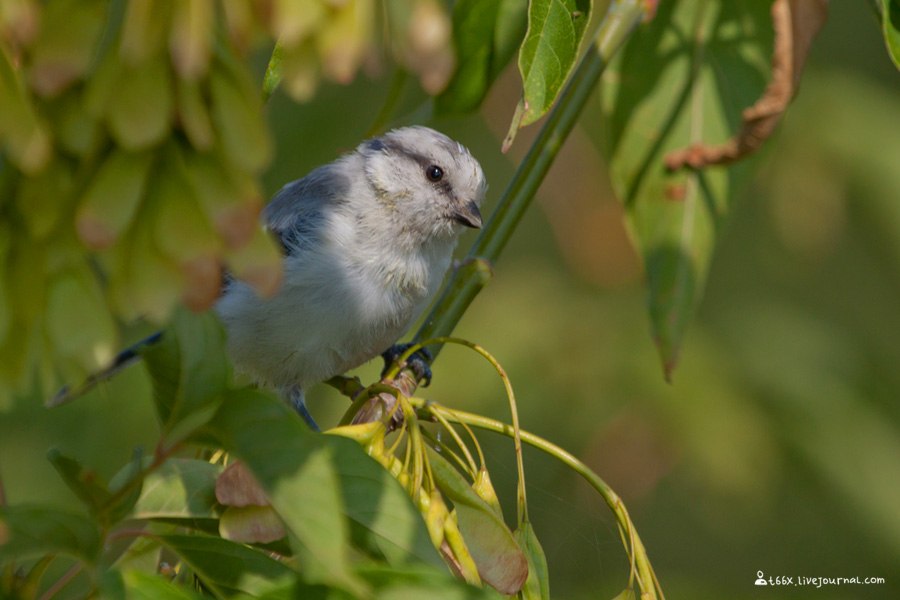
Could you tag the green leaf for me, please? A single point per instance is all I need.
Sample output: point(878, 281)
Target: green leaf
point(890, 19)
point(144, 586)
point(683, 79)
point(295, 468)
point(227, 567)
point(30, 531)
point(549, 53)
point(492, 545)
point(83, 482)
point(485, 35)
point(180, 488)
point(126, 488)
point(190, 371)
point(385, 518)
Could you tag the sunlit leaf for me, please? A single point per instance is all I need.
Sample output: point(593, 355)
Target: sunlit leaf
point(548, 53)
point(717, 61)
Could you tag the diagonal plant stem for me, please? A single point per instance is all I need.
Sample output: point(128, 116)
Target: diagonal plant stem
point(620, 20)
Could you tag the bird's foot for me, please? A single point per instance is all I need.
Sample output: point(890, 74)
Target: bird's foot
point(419, 361)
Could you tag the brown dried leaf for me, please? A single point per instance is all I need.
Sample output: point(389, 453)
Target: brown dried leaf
point(796, 24)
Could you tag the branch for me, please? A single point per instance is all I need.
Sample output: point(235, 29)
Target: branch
point(617, 25)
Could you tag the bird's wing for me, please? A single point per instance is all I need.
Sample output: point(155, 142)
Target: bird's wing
point(296, 211)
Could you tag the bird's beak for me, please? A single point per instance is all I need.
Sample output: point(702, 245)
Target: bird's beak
point(468, 215)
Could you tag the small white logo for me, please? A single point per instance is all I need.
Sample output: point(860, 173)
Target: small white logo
point(759, 579)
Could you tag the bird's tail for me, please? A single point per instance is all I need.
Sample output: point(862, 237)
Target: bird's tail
point(124, 358)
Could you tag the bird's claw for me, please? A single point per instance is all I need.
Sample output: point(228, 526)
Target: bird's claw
point(419, 362)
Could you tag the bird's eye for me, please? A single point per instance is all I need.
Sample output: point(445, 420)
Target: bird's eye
point(434, 173)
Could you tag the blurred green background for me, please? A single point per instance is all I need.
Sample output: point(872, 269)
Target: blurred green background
point(777, 446)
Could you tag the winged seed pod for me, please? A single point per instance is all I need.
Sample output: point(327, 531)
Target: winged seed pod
point(22, 132)
point(140, 112)
point(144, 29)
point(43, 201)
point(237, 116)
point(65, 45)
point(191, 37)
point(192, 114)
point(112, 199)
point(79, 325)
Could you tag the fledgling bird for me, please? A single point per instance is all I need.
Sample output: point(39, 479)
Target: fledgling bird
point(368, 240)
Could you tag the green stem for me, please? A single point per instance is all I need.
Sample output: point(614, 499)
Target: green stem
point(618, 23)
point(634, 547)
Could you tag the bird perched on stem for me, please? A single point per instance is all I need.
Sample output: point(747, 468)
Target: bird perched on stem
point(367, 239)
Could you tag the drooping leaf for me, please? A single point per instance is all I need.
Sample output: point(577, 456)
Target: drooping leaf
point(485, 34)
point(716, 64)
point(890, 19)
point(548, 54)
point(29, 531)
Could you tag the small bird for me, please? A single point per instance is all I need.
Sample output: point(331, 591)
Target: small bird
point(367, 242)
